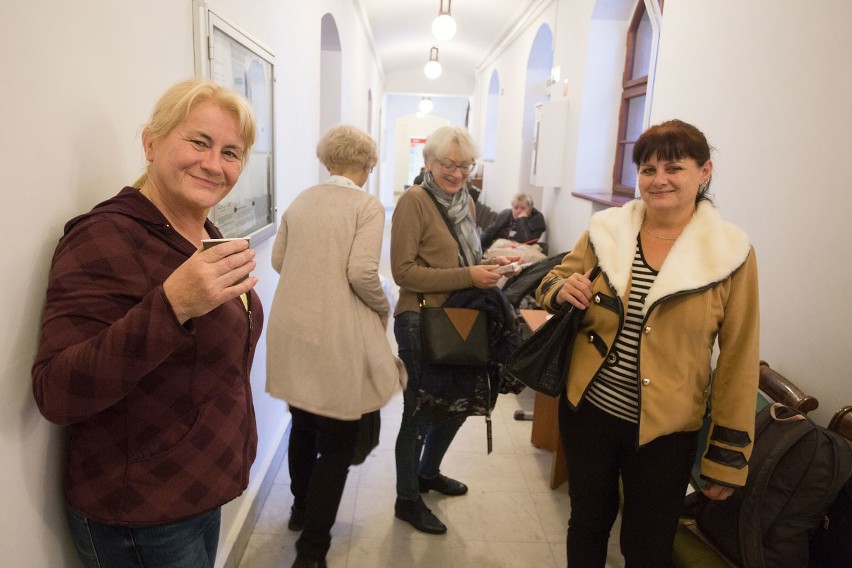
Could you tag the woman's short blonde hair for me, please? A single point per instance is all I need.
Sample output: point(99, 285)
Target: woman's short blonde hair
point(523, 198)
point(345, 148)
point(179, 100)
point(439, 143)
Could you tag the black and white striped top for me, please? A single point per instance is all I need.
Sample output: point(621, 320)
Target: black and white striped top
point(615, 389)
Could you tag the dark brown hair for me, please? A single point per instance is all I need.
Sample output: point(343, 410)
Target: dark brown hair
point(674, 140)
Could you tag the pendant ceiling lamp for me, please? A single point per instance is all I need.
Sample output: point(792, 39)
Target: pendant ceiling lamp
point(432, 69)
point(444, 26)
point(426, 105)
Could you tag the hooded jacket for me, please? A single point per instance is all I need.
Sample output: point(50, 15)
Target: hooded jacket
point(705, 291)
point(160, 418)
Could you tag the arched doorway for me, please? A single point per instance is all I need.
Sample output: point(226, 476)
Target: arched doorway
point(330, 79)
point(539, 63)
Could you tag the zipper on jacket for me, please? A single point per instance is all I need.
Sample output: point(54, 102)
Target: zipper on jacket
point(639, 347)
point(249, 409)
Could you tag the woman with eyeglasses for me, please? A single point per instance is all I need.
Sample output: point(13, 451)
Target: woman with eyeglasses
point(430, 260)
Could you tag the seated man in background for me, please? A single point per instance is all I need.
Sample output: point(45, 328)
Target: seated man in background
point(523, 223)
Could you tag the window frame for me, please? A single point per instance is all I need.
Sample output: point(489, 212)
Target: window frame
point(631, 88)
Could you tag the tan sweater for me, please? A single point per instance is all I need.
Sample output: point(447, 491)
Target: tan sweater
point(327, 351)
point(424, 255)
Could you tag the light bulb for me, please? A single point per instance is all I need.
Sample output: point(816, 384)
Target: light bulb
point(426, 105)
point(444, 27)
point(432, 69)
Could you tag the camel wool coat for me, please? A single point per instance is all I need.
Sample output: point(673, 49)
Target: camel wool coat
point(327, 352)
point(705, 294)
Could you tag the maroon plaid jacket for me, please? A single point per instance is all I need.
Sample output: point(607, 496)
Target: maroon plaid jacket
point(159, 415)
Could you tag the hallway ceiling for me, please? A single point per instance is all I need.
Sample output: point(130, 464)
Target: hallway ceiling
point(402, 31)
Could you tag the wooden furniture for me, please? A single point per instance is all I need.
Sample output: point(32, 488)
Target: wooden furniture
point(841, 422)
point(779, 389)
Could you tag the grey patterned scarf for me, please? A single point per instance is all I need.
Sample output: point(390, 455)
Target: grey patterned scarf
point(458, 212)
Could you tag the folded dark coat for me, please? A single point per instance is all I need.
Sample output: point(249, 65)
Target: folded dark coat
point(472, 390)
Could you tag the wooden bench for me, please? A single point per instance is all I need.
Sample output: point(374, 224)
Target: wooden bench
point(841, 422)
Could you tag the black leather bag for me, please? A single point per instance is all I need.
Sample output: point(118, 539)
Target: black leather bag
point(369, 428)
point(542, 361)
point(454, 336)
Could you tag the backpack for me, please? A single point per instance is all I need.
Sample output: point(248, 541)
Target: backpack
point(831, 545)
point(796, 471)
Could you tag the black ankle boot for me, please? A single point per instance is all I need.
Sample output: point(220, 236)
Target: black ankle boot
point(442, 484)
point(418, 515)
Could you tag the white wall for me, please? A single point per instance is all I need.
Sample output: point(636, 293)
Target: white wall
point(79, 79)
point(400, 124)
point(501, 175)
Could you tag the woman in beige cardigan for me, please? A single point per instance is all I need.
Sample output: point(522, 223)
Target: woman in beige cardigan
point(327, 352)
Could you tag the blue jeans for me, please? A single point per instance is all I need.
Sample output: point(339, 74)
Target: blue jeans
point(417, 435)
point(190, 543)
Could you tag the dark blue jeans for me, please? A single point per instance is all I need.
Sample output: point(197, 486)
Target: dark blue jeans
point(190, 543)
point(319, 455)
point(600, 449)
point(420, 445)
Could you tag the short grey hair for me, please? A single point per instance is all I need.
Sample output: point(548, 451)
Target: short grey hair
point(438, 144)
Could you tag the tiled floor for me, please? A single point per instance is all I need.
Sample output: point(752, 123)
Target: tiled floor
point(509, 519)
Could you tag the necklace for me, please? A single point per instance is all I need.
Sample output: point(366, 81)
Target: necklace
point(658, 236)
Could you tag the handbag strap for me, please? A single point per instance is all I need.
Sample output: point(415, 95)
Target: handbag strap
point(446, 219)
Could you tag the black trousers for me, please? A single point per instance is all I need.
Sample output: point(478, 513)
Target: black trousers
point(319, 456)
point(600, 449)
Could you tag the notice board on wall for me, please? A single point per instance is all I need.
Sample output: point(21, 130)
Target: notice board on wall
point(230, 58)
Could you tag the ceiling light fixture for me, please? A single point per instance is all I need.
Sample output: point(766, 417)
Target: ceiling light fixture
point(433, 69)
point(444, 26)
point(426, 105)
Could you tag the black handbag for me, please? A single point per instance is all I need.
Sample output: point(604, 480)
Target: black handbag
point(368, 436)
point(453, 336)
point(542, 361)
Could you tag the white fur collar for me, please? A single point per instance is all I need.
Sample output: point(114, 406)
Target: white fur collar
point(708, 250)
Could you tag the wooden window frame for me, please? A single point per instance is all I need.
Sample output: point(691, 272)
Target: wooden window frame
point(631, 88)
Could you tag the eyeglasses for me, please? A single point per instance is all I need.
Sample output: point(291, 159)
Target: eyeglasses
point(449, 167)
